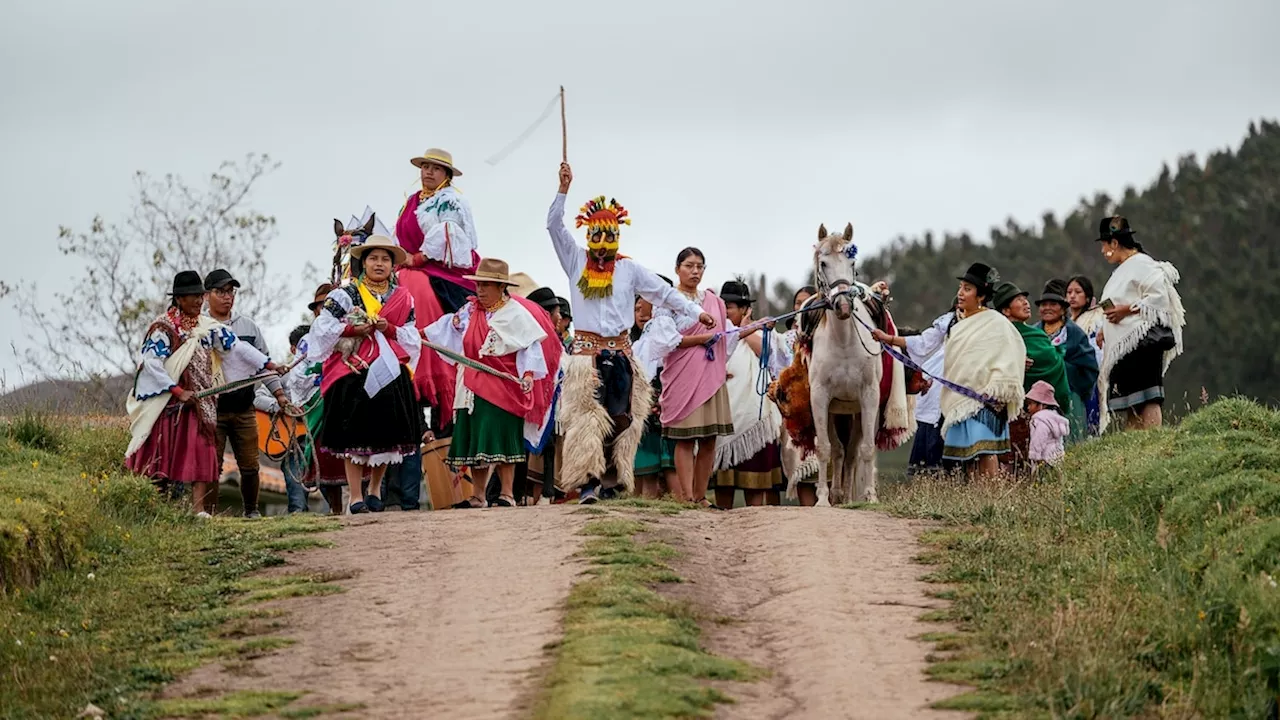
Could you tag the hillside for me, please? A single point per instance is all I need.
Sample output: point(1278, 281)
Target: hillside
point(1218, 221)
point(70, 397)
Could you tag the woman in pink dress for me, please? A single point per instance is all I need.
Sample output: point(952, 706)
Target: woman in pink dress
point(437, 231)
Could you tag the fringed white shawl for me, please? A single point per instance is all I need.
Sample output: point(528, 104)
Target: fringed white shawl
point(1149, 284)
point(753, 431)
point(984, 353)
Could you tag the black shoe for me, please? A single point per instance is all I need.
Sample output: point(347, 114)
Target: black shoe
point(374, 503)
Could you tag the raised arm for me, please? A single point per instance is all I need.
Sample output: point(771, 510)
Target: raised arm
point(567, 250)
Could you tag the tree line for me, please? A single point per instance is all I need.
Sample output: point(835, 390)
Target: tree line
point(1217, 221)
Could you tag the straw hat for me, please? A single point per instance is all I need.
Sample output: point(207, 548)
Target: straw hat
point(436, 156)
point(492, 270)
point(398, 255)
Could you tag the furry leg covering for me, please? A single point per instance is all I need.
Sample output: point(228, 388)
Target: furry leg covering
point(585, 426)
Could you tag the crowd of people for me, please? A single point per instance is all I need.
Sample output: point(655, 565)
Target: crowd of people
point(637, 382)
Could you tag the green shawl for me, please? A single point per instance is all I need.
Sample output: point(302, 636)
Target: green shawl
point(1046, 364)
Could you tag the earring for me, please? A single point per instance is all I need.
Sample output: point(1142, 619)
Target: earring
point(1109, 253)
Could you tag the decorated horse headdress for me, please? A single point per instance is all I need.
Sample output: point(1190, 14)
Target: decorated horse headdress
point(352, 235)
point(603, 221)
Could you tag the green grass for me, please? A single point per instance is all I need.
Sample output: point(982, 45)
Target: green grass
point(109, 592)
point(1142, 584)
point(629, 652)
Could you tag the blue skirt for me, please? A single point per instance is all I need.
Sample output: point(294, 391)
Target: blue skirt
point(976, 436)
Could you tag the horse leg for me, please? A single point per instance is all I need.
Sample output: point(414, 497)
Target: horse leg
point(820, 402)
point(866, 445)
point(839, 493)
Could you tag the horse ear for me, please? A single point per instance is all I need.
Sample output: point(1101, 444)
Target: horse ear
point(822, 232)
point(368, 226)
point(848, 232)
point(338, 229)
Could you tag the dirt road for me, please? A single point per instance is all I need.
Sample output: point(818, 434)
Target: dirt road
point(447, 615)
point(827, 599)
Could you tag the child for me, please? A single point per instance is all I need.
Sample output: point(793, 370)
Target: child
point(1049, 430)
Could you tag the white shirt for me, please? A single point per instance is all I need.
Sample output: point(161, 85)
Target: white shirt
point(529, 358)
point(929, 350)
point(449, 231)
point(614, 315)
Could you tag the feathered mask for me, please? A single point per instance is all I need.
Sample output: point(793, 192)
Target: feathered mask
point(602, 221)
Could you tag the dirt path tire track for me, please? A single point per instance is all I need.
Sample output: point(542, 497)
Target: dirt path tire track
point(447, 615)
point(827, 599)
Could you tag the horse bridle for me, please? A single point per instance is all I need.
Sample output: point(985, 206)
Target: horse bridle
point(845, 288)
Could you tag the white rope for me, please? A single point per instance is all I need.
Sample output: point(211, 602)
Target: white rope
point(514, 144)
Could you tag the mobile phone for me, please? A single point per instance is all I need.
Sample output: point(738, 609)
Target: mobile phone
point(1107, 304)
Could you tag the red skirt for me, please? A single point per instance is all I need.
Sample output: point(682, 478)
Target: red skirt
point(434, 381)
point(176, 449)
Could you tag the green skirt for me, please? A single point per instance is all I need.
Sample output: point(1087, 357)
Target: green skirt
point(486, 435)
point(655, 453)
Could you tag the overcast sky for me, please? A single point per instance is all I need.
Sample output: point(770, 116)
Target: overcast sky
point(734, 126)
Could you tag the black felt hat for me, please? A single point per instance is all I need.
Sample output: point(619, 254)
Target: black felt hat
point(187, 282)
point(545, 297)
point(1114, 228)
point(1055, 291)
point(566, 311)
point(982, 276)
point(736, 292)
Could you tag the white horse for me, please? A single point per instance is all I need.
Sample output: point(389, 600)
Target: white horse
point(844, 375)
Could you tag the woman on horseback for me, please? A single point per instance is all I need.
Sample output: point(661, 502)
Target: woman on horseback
point(438, 234)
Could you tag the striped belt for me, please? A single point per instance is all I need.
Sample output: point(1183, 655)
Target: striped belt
point(586, 343)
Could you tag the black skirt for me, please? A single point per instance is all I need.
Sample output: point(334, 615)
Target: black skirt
point(356, 424)
point(1137, 379)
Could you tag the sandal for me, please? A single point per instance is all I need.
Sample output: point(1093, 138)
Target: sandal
point(706, 504)
point(503, 501)
point(466, 504)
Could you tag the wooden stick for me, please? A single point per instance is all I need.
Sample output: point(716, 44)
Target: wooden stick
point(564, 131)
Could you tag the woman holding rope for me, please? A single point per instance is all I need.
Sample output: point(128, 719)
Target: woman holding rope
point(985, 362)
point(366, 337)
point(171, 414)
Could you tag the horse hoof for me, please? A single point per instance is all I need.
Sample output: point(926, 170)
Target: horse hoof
point(823, 503)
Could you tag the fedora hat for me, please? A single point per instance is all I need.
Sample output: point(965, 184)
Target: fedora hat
point(982, 276)
point(566, 310)
point(736, 292)
point(376, 242)
point(436, 156)
point(492, 270)
point(1005, 293)
point(1055, 291)
point(545, 297)
point(1042, 392)
point(187, 282)
point(322, 293)
point(1114, 228)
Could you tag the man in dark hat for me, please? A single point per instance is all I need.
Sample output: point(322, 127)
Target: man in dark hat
point(237, 420)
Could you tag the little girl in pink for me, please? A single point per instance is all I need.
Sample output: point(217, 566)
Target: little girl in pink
point(1049, 429)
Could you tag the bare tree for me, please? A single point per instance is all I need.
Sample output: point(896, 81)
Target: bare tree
point(94, 330)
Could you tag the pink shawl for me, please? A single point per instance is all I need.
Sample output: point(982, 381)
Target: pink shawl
point(689, 379)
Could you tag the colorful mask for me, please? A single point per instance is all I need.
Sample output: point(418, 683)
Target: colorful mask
point(602, 221)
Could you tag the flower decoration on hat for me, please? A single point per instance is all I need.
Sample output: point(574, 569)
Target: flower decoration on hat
point(993, 277)
point(1117, 224)
point(602, 221)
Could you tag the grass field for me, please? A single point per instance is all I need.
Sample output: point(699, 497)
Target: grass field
point(107, 592)
point(1140, 583)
